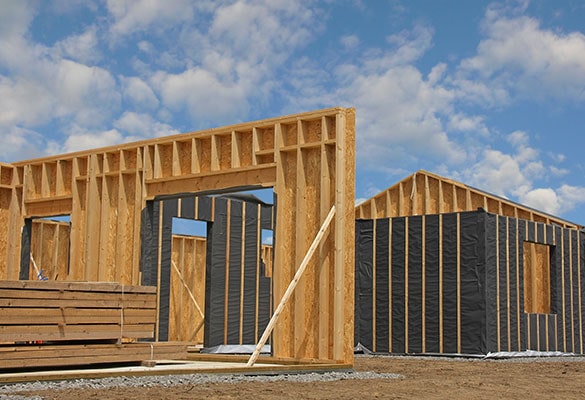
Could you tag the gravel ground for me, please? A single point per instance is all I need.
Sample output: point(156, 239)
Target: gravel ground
point(404, 377)
point(173, 380)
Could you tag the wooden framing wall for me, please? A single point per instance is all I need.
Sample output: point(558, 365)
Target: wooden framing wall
point(308, 158)
point(424, 193)
point(454, 283)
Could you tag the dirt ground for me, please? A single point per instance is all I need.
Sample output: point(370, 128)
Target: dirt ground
point(422, 379)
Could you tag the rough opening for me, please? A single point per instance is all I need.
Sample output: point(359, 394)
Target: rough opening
point(49, 248)
point(537, 278)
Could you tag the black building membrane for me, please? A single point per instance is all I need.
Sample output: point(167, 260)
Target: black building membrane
point(454, 283)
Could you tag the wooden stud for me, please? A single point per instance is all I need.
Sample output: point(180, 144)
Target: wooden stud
point(580, 291)
point(508, 316)
point(406, 285)
point(458, 283)
point(441, 314)
point(518, 288)
point(374, 288)
point(390, 288)
point(563, 294)
point(498, 308)
point(424, 285)
point(242, 274)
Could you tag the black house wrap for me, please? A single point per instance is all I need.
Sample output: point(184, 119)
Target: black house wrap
point(237, 292)
point(454, 283)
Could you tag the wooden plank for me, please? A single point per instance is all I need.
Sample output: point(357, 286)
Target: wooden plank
point(254, 176)
point(227, 272)
point(441, 314)
point(390, 333)
point(343, 238)
point(76, 286)
point(374, 288)
point(32, 311)
point(242, 275)
point(10, 333)
point(38, 303)
point(78, 214)
point(326, 251)
point(69, 355)
point(73, 295)
point(23, 352)
point(73, 316)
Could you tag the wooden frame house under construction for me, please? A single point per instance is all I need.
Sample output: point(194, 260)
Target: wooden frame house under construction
point(119, 200)
point(442, 267)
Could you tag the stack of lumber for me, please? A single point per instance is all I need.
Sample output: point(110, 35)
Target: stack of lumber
point(33, 356)
point(41, 311)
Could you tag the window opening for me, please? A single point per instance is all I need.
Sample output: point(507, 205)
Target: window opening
point(537, 278)
point(49, 248)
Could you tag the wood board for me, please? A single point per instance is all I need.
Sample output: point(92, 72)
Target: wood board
point(39, 357)
point(56, 311)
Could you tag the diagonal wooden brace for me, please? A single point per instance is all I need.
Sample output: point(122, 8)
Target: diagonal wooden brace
point(291, 288)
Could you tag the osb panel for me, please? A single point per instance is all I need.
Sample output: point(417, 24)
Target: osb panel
point(312, 131)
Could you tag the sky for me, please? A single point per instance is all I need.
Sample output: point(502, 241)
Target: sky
point(489, 93)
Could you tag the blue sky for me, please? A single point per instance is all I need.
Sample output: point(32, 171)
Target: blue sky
point(488, 93)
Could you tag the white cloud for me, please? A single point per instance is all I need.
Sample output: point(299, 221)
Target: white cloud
point(518, 138)
point(467, 123)
point(82, 48)
point(398, 108)
point(23, 101)
point(265, 28)
point(43, 86)
point(543, 199)
point(410, 45)
point(498, 173)
point(570, 196)
point(15, 18)
point(350, 42)
point(139, 93)
point(235, 62)
point(71, 6)
point(140, 15)
point(142, 126)
point(515, 175)
point(89, 94)
point(201, 94)
point(558, 172)
point(84, 140)
point(130, 127)
point(519, 59)
point(20, 144)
